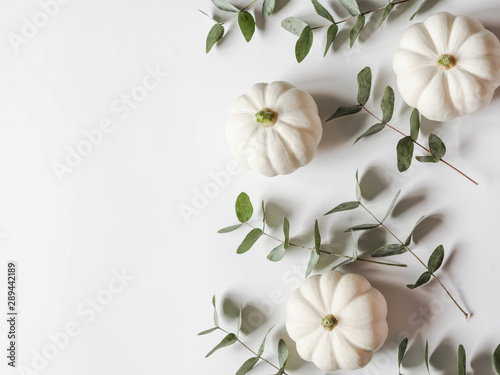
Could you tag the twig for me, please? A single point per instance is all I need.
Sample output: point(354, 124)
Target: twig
point(331, 253)
point(415, 255)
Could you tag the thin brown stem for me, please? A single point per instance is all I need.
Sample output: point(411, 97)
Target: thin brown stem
point(420, 260)
point(236, 15)
point(362, 13)
point(254, 353)
point(331, 253)
point(418, 144)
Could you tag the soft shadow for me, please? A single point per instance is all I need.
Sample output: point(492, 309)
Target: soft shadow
point(260, 22)
point(444, 358)
point(429, 224)
point(429, 126)
point(341, 130)
point(415, 354)
point(408, 202)
point(481, 363)
point(252, 318)
point(230, 308)
point(280, 4)
point(274, 214)
point(372, 183)
point(370, 241)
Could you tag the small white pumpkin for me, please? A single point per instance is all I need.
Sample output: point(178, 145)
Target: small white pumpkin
point(447, 66)
point(274, 128)
point(337, 320)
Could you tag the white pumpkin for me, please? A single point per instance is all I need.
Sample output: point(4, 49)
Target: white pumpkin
point(337, 320)
point(274, 128)
point(447, 66)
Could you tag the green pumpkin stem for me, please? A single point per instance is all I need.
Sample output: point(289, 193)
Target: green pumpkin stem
point(446, 61)
point(266, 117)
point(329, 322)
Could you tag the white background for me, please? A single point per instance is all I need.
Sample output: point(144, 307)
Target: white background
point(119, 208)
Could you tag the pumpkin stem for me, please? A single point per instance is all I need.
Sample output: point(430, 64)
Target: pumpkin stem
point(266, 117)
point(446, 61)
point(329, 322)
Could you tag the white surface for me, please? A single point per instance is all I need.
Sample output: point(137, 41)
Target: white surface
point(119, 209)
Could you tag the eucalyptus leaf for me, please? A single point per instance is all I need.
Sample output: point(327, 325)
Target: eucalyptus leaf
point(389, 250)
point(345, 110)
point(362, 227)
point(286, 232)
point(496, 359)
point(418, 10)
point(244, 208)
point(293, 25)
point(426, 356)
point(225, 5)
point(436, 259)
point(282, 353)
point(206, 332)
point(408, 239)
point(345, 262)
point(344, 207)
point(358, 187)
point(405, 153)
point(240, 321)
point(249, 240)
point(321, 10)
point(230, 228)
point(263, 344)
point(317, 237)
point(263, 217)
point(372, 130)
point(414, 124)
point(389, 210)
point(248, 366)
point(351, 6)
point(364, 85)
point(461, 360)
point(423, 279)
point(313, 260)
point(304, 43)
point(388, 9)
point(213, 19)
point(268, 7)
point(387, 104)
point(277, 253)
point(437, 147)
point(356, 30)
point(330, 36)
point(426, 159)
point(401, 352)
point(230, 339)
point(247, 24)
point(214, 35)
point(216, 316)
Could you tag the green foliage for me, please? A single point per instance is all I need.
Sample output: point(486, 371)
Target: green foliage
point(461, 360)
point(249, 240)
point(496, 359)
point(388, 9)
point(404, 153)
point(321, 10)
point(374, 129)
point(401, 352)
point(345, 110)
point(414, 124)
point(437, 147)
point(330, 36)
point(356, 30)
point(247, 24)
point(344, 207)
point(244, 208)
point(304, 43)
point(387, 104)
point(268, 7)
point(225, 5)
point(230, 339)
point(215, 34)
point(351, 6)
point(294, 25)
point(389, 250)
point(364, 85)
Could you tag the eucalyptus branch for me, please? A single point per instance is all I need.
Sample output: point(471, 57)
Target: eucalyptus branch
point(435, 261)
point(418, 144)
point(364, 13)
point(405, 146)
point(331, 253)
point(232, 338)
point(246, 21)
point(244, 212)
point(305, 31)
point(380, 223)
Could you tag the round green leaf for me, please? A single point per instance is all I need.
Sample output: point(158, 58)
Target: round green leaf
point(303, 45)
point(405, 153)
point(437, 147)
point(244, 208)
point(247, 24)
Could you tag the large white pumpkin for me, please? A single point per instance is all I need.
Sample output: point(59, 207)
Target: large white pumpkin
point(274, 128)
point(337, 320)
point(447, 66)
